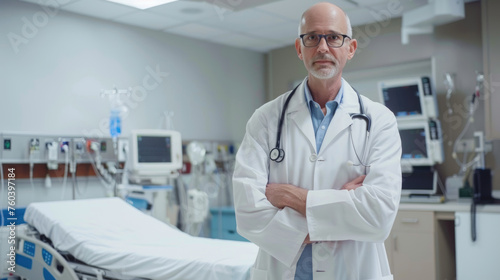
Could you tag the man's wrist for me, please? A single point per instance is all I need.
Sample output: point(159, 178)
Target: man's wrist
point(297, 199)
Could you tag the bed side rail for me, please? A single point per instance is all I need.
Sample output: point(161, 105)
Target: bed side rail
point(38, 260)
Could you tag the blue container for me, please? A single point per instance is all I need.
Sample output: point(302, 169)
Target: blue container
point(223, 224)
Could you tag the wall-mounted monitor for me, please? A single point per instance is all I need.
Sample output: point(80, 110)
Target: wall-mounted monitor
point(421, 143)
point(154, 153)
point(409, 98)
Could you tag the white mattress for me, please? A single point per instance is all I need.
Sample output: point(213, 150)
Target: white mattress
point(111, 234)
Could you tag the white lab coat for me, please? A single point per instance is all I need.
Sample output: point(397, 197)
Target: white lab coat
point(349, 226)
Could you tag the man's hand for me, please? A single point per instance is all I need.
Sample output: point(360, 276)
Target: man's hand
point(354, 184)
point(283, 195)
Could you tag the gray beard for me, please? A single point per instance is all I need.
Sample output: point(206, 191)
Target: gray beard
point(322, 75)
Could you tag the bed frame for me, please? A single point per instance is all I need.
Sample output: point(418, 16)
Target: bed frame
point(36, 259)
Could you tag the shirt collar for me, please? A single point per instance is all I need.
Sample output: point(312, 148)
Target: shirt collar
point(310, 102)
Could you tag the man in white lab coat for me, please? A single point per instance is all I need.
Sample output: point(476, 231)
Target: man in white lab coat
point(323, 210)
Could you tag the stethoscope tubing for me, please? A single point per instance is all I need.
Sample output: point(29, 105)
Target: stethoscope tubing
point(277, 154)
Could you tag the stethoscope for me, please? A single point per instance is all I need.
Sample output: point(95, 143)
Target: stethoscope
point(277, 154)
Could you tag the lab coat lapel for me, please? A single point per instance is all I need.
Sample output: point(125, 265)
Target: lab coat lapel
point(302, 118)
point(300, 115)
point(342, 118)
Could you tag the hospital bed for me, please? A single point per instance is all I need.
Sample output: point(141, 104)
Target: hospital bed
point(107, 238)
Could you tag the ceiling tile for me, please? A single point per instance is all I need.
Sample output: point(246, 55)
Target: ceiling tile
point(244, 20)
point(381, 10)
point(244, 41)
point(259, 25)
point(238, 5)
point(362, 16)
point(188, 11)
point(287, 31)
point(405, 4)
point(195, 30)
point(293, 9)
point(98, 8)
point(49, 3)
point(148, 20)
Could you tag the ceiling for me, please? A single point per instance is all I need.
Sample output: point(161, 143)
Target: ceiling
point(258, 25)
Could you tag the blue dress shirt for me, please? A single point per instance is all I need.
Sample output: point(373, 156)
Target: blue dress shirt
point(321, 121)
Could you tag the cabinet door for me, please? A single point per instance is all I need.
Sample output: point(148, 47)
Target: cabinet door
point(411, 246)
point(413, 255)
point(479, 259)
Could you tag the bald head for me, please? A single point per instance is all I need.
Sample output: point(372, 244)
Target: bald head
point(327, 13)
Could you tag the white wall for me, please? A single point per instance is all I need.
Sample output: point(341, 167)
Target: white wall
point(53, 66)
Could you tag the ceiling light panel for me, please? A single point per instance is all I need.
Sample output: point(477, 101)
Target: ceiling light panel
point(98, 9)
point(148, 20)
point(142, 4)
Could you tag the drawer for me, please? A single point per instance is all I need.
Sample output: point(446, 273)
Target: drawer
point(414, 221)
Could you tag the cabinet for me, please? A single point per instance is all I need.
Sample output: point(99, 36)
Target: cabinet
point(478, 259)
point(419, 246)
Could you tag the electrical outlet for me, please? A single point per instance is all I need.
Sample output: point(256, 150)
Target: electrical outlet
point(93, 146)
point(79, 146)
point(51, 147)
point(64, 143)
point(34, 144)
point(122, 149)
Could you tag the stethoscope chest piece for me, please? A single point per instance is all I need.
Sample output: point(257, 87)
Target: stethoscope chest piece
point(277, 155)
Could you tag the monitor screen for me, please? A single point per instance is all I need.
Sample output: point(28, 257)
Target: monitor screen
point(421, 143)
point(154, 153)
point(421, 181)
point(413, 143)
point(403, 100)
point(406, 98)
point(154, 148)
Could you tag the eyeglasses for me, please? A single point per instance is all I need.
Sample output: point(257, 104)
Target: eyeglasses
point(332, 40)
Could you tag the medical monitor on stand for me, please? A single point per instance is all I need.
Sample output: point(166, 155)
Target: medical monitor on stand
point(409, 99)
point(154, 160)
point(421, 181)
point(155, 155)
point(421, 143)
point(422, 148)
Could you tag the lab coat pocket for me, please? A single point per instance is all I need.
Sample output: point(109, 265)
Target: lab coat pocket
point(357, 170)
point(258, 274)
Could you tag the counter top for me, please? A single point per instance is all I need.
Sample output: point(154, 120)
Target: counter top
point(462, 205)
